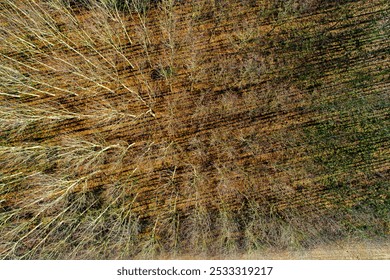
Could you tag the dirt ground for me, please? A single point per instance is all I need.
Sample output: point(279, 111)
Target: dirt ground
point(338, 251)
point(355, 250)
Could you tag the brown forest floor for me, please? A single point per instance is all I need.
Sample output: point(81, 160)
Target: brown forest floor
point(214, 128)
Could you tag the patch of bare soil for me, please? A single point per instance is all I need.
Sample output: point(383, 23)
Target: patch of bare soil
point(337, 251)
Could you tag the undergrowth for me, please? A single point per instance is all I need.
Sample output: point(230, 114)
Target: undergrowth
point(161, 129)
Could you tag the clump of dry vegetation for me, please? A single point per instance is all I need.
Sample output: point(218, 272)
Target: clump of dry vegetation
point(154, 129)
